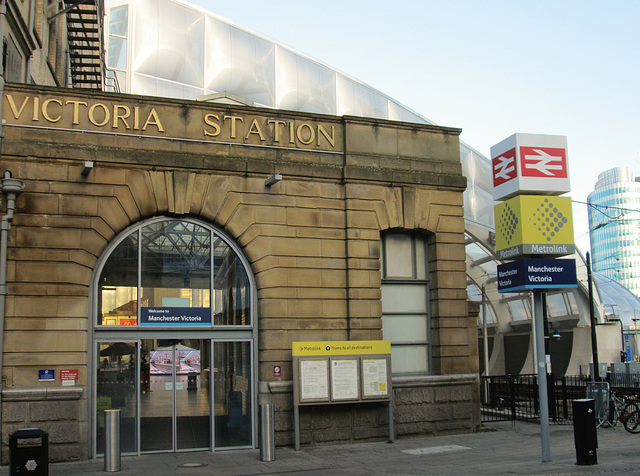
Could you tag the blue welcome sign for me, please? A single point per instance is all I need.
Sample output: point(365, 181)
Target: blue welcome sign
point(532, 273)
point(175, 316)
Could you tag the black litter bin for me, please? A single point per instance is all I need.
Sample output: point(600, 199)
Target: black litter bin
point(584, 431)
point(29, 452)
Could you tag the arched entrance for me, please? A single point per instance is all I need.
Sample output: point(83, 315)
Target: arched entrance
point(173, 339)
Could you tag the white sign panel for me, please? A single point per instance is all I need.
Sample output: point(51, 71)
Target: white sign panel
point(530, 164)
point(344, 379)
point(374, 377)
point(314, 379)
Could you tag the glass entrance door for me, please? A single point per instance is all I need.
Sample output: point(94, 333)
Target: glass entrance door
point(175, 395)
point(192, 395)
point(115, 390)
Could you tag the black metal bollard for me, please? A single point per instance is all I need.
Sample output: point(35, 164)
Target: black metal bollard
point(584, 431)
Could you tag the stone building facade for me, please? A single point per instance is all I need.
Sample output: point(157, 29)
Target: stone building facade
point(101, 169)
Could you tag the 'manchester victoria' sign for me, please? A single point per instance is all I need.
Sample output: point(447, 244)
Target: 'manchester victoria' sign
point(171, 316)
point(527, 274)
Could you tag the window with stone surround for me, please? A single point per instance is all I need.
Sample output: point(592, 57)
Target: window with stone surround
point(405, 302)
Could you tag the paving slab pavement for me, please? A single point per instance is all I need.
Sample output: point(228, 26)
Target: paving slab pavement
point(499, 448)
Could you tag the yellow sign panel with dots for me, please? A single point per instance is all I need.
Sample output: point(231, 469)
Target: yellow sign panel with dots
point(534, 225)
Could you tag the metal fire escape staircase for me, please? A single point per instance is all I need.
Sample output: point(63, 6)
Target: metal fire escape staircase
point(84, 20)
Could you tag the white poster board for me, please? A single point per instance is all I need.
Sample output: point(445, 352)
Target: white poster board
point(314, 380)
point(374, 378)
point(344, 379)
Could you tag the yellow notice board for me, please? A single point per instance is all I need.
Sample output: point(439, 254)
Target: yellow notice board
point(341, 371)
point(361, 347)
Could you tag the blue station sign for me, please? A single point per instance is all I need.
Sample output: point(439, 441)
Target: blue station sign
point(172, 316)
point(532, 273)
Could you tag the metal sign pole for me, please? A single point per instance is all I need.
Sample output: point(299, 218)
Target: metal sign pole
point(485, 333)
point(296, 424)
point(595, 375)
point(543, 396)
point(392, 430)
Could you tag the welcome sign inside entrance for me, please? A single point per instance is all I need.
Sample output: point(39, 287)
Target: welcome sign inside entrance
point(175, 316)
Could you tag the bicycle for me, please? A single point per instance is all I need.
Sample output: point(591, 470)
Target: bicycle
point(620, 409)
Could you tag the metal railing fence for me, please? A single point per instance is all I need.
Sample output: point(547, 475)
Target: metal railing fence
point(515, 397)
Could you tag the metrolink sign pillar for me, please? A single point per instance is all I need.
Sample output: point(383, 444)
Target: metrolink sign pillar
point(534, 226)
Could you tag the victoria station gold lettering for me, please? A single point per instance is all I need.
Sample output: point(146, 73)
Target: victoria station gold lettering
point(305, 133)
point(122, 116)
point(52, 110)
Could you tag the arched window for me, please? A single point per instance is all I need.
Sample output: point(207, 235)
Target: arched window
point(171, 272)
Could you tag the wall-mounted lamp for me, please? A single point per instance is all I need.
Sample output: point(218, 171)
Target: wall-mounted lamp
point(275, 178)
point(87, 167)
point(556, 335)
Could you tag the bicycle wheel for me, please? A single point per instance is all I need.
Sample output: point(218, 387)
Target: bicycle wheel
point(614, 416)
point(627, 410)
point(632, 422)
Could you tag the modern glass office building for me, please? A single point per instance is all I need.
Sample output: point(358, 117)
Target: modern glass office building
point(614, 227)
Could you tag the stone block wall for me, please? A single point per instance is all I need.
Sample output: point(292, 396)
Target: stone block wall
point(435, 405)
point(61, 412)
point(323, 424)
point(427, 406)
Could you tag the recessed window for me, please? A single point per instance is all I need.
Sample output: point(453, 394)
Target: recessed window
point(405, 302)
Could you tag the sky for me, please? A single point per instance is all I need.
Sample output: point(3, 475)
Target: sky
point(489, 67)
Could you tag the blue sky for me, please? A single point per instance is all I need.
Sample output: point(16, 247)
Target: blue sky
point(490, 67)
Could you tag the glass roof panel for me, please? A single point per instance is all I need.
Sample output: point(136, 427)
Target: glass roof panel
point(519, 310)
point(490, 267)
point(475, 251)
point(618, 300)
point(474, 293)
point(304, 85)
point(239, 63)
point(356, 99)
point(169, 42)
point(556, 306)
